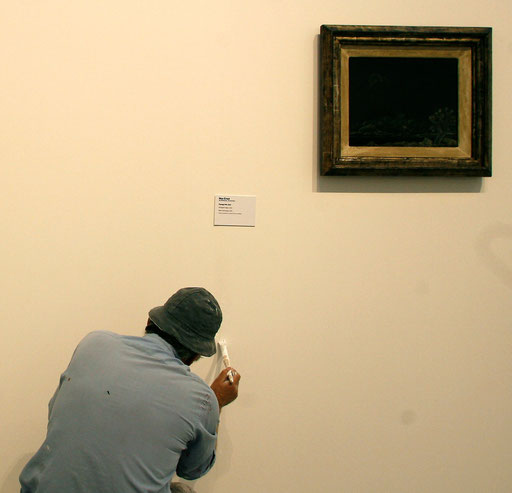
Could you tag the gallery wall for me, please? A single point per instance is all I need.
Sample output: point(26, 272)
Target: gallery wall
point(370, 317)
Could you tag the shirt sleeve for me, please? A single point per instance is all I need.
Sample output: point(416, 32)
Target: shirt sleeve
point(199, 456)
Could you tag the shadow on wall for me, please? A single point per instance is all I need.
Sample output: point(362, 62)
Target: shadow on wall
point(11, 483)
point(489, 246)
point(397, 184)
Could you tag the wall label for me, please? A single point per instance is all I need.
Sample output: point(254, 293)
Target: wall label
point(235, 210)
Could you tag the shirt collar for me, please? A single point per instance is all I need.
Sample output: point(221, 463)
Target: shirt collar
point(163, 344)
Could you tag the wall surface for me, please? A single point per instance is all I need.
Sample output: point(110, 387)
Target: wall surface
point(370, 317)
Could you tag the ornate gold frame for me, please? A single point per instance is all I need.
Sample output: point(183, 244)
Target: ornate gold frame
point(472, 49)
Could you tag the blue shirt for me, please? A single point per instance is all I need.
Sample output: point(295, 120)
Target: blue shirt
point(126, 416)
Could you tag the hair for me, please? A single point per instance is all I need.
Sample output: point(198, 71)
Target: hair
point(184, 353)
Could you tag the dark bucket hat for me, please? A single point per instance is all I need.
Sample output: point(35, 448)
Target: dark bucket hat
point(193, 317)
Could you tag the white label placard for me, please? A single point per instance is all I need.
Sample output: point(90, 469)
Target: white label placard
point(235, 210)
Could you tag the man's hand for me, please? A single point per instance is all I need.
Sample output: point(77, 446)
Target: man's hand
point(226, 391)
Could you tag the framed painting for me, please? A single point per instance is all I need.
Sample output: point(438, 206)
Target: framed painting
point(405, 100)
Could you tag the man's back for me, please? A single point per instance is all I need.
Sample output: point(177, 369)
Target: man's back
point(127, 414)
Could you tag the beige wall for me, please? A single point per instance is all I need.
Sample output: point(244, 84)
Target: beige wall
point(370, 317)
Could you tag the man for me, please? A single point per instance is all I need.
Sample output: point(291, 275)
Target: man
point(128, 413)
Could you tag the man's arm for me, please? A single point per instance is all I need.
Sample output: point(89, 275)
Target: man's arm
point(225, 391)
point(199, 457)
